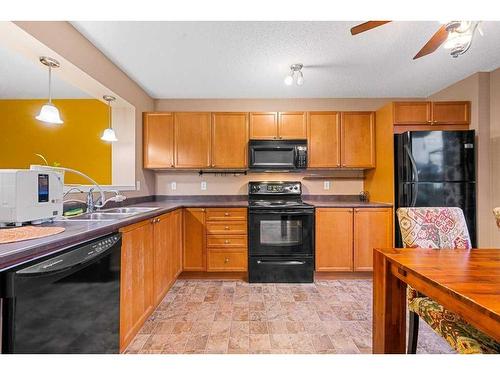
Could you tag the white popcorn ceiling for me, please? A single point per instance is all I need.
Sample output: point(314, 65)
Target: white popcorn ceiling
point(250, 59)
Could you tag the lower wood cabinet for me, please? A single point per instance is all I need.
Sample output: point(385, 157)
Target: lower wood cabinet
point(334, 235)
point(372, 228)
point(151, 261)
point(215, 239)
point(346, 237)
point(137, 279)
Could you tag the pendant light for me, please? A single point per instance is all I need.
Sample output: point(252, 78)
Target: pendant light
point(109, 134)
point(49, 113)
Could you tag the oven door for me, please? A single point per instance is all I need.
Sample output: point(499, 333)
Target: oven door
point(281, 232)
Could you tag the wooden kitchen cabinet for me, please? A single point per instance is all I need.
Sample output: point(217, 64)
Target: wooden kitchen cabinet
point(412, 113)
point(334, 239)
point(292, 125)
point(372, 228)
point(229, 140)
point(194, 240)
point(357, 134)
point(263, 125)
point(162, 234)
point(158, 134)
point(192, 139)
point(451, 113)
point(177, 244)
point(137, 279)
point(323, 133)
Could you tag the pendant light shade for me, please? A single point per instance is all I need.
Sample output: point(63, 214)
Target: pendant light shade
point(109, 134)
point(49, 113)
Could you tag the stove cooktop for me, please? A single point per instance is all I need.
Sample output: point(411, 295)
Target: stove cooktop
point(278, 204)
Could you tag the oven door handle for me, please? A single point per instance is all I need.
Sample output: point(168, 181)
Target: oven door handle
point(281, 262)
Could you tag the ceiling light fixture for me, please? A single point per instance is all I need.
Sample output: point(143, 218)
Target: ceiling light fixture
point(109, 134)
point(460, 34)
point(49, 112)
point(299, 77)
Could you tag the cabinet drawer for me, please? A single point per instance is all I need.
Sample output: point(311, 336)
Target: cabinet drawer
point(220, 240)
point(235, 227)
point(214, 214)
point(226, 260)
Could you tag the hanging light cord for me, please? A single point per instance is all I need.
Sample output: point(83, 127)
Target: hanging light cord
point(50, 83)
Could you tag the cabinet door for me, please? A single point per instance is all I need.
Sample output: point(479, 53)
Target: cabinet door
point(324, 139)
point(412, 113)
point(158, 140)
point(192, 140)
point(177, 243)
point(451, 113)
point(334, 236)
point(372, 228)
point(229, 140)
point(163, 246)
point(358, 139)
point(292, 125)
point(264, 125)
point(194, 240)
point(136, 284)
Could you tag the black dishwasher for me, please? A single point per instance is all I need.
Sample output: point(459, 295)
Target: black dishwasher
point(67, 303)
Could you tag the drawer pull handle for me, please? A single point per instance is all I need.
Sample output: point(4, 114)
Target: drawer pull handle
point(227, 241)
point(226, 260)
point(226, 227)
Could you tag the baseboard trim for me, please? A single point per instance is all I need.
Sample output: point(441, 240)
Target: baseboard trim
point(214, 275)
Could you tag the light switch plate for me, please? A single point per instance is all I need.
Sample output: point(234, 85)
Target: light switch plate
point(203, 185)
point(173, 185)
point(326, 185)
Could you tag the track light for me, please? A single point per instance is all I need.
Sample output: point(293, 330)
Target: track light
point(295, 73)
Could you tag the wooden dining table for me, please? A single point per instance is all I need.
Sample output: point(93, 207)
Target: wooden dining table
point(466, 282)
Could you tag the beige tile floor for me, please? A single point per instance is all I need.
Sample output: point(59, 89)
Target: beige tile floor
point(204, 316)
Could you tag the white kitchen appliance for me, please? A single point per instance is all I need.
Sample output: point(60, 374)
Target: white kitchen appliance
point(30, 196)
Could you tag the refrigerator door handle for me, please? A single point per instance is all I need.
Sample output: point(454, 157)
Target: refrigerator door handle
point(414, 179)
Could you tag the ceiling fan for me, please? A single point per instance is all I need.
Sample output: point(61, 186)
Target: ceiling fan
point(456, 36)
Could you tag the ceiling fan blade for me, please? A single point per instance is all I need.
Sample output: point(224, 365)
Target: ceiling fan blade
point(433, 44)
point(361, 28)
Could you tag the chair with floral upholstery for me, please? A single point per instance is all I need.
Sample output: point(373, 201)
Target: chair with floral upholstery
point(439, 228)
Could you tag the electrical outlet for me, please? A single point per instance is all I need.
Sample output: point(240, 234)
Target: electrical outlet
point(173, 185)
point(138, 185)
point(203, 185)
point(326, 185)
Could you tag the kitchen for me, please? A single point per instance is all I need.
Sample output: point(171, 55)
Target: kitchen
point(223, 225)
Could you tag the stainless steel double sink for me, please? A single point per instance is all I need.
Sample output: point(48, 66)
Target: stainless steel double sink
point(109, 214)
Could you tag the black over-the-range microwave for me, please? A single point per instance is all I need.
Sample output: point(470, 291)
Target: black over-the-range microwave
point(277, 155)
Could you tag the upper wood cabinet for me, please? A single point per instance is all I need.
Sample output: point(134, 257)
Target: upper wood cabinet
point(194, 240)
point(358, 139)
point(229, 140)
point(323, 133)
point(334, 239)
point(192, 139)
point(372, 228)
point(449, 113)
point(264, 125)
point(278, 125)
point(431, 113)
point(158, 133)
point(292, 125)
point(411, 113)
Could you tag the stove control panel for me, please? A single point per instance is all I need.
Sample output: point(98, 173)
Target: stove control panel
point(274, 188)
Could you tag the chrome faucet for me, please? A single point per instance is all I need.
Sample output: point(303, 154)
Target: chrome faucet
point(90, 201)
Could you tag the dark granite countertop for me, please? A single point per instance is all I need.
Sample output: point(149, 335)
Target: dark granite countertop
point(78, 232)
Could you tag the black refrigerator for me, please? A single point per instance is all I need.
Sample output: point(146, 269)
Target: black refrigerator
point(436, 169)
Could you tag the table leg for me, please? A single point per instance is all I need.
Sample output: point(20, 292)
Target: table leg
point(389, 308)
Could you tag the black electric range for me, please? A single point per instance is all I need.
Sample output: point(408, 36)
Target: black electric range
point(281, 233)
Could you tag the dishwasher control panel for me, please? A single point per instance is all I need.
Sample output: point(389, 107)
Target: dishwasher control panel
point(79, 255)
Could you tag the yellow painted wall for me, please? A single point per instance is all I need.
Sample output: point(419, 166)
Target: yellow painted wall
point(74, 144)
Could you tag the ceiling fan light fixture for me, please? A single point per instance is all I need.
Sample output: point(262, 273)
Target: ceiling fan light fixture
point(299, 77)
point(289, 79)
